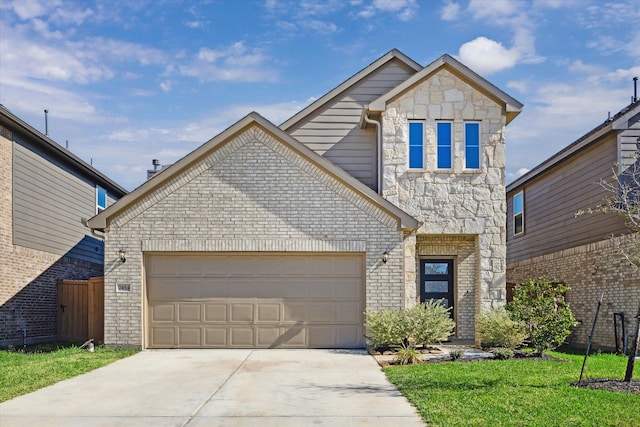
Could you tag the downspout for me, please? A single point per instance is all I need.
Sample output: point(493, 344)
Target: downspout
point(99, 236)
point(378, 126)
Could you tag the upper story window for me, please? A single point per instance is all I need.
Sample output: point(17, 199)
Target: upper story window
point(518, 213)
point(101, 199)
point(416, 145)
point(444, 145)
point(472, 145)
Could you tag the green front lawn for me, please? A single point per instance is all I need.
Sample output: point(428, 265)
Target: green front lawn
point(518, 392)
point(23, 372)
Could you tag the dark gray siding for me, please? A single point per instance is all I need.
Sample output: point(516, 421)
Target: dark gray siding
point(552, 199)
point(49, 202)
point(334, 131)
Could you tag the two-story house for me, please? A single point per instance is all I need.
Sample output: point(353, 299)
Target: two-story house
point(545, 237)
point(46, 196)
point(386, 191)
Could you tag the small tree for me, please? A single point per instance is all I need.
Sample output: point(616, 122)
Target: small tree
point(540, 304)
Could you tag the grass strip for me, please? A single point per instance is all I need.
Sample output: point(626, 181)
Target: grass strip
point(22, 372)
point(518, 392)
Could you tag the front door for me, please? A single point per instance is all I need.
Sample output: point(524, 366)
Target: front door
point(436, 281)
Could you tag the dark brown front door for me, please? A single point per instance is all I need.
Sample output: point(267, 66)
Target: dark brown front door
point(436, 280)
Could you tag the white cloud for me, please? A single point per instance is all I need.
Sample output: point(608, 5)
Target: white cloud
point(402, 9)
point(317, 8)
point(521, 86)
point(142, 93)
point(512, 176)
point(319, 26)
point(492, 9)
point(22, 58)
point(633, 47)
point(450, 11)
point(64, 16)
point(196, 24)
point(487, 56)
point(578, 66)
point(234, 63)
point(622, 74)
point(166, 85)
point(32, 8)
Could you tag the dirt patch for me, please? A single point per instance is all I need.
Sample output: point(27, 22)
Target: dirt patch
point(610, 384)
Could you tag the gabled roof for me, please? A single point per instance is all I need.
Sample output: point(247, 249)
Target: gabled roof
point(102, 220)
point(618, 121)
point(49, 145)
point(351, 81)
point(513, 107)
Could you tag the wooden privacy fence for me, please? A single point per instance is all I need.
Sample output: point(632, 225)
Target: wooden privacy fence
point(81, 310)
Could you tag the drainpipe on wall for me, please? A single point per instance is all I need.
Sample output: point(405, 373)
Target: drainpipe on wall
point(378, 126)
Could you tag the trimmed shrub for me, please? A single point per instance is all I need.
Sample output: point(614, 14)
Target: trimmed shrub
point(498, 329)
point(430, 323)
point(540, 304)
point(386, 328)
point(425, 324)
point(502, 353)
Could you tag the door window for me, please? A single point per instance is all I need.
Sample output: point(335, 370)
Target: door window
point(436, 280)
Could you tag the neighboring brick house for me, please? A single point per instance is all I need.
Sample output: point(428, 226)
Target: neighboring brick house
point(546, 238)
point(45, 192)
point(386, 191)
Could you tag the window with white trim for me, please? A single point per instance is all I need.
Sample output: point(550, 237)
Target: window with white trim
point(472, 145)
point(444, 138)
point(101, 199)
point(518, 214)
point(416, 145)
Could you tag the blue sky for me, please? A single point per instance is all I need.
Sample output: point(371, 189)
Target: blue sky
point(129, 81)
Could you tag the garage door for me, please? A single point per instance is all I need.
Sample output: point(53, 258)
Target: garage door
point(255, 301)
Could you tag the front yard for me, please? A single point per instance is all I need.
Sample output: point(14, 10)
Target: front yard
point(22, 372)
point(518, 392)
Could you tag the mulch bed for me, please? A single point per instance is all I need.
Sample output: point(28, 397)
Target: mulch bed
point(517, 354)
point(610, 384)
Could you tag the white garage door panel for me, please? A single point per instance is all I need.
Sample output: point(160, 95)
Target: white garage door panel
point(250, 301)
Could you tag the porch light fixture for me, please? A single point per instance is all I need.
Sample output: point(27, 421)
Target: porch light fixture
point(385, 257)
point(122, 254)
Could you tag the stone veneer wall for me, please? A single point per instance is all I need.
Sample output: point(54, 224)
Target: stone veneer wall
point(589, 270)
point(253, 194)
point(457, 201)
point(28, 289)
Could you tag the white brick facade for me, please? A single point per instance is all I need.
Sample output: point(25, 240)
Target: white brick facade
point(252, 194)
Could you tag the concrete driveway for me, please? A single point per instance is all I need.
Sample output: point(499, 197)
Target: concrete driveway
point(221, 388)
